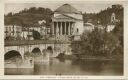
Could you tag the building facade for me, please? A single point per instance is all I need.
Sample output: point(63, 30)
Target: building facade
point(13, 31)
point(67, 21)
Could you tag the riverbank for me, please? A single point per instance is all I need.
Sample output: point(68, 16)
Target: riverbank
point(63, 56)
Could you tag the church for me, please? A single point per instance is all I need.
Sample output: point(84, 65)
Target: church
point(67, 21)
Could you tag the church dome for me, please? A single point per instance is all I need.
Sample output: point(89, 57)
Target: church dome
point(66, 8)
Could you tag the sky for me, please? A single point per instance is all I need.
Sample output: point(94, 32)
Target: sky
point(84, 6)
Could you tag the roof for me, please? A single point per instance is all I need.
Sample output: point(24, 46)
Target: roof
point(66, 8)
point(88, 24)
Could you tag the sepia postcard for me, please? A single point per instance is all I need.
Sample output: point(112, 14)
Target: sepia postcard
point(64, 39)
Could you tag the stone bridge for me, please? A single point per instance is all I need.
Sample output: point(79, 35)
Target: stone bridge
point(56, 48)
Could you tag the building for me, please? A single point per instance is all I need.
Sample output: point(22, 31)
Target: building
point(35, 29)
point(26, 35)
point(111, 25)
point(12, 31)
point(88, 27)
point(113, 18)
point(67, 21)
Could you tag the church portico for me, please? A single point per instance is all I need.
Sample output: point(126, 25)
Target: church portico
point(62, 27)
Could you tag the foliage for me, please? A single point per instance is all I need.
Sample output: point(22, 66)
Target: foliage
point(36, 35)
point(118, 31)
point(61, 55)
point(93, 42)
point(97, 43)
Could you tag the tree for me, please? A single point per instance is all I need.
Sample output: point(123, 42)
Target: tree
point(118, 31)
point(97, 43)
point(36, 35)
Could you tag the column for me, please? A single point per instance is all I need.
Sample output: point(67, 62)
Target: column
point(57, 28)
point(69, 28)
point(53, 28)
point(60, 28)
point(65, 29)
point(72, 28)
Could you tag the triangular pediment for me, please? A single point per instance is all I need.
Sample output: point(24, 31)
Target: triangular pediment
point(64, 17)
point(61, 16)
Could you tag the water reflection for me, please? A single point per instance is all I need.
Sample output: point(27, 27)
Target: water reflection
point(69, 67)
point(14, 71)
point(97, 67)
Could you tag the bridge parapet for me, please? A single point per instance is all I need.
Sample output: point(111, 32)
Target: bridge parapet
point(33, 42)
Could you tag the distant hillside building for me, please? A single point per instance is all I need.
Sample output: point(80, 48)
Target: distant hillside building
point(26, 35)
point(113, 18)
point(111, 25)
point(12, 31)
point(67, 21)
point(88, 26)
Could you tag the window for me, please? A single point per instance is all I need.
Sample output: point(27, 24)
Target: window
point(113, 18)
point(6, 29)
point(77, 30)
point(10, 28)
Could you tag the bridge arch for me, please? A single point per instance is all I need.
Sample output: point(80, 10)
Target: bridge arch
point(36, 51)
point(11, 54)
point(49, 48)
point(48, 51)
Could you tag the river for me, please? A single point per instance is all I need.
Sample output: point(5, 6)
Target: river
point(71, 67)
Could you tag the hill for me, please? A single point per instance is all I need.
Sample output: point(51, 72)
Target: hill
point(29, 17)
point(104, 16)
